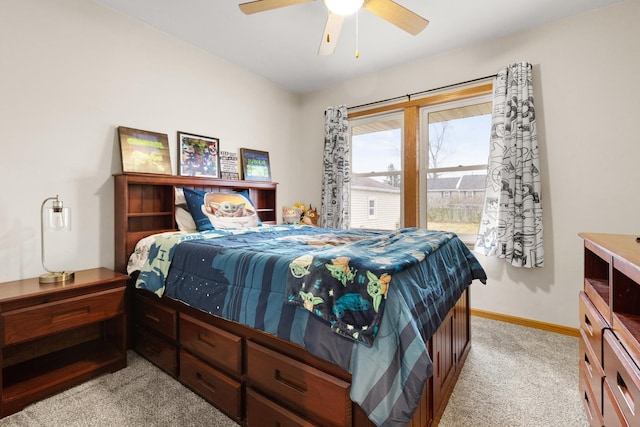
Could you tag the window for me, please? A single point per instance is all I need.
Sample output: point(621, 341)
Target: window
point(390, 160)
point(372, 208)
point(376, 172)
point(455, 153)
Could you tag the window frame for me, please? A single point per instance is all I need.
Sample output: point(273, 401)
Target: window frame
point(410, 189)
point(467, 238)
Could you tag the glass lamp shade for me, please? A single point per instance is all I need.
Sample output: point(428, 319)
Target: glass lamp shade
point(343, 7)
point(57, 219)
point(54, 218)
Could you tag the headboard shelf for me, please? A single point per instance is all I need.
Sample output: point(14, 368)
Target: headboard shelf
point(144, 205)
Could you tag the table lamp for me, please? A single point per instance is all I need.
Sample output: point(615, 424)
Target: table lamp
point(53, 218)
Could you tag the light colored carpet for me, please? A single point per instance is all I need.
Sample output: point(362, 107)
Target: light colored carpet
point(138, 395)
point(514, 376)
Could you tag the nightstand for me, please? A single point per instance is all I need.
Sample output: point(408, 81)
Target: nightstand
point(56, 335)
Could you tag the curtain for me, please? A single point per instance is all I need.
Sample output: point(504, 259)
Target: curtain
point(336, 179)
point(511, 224)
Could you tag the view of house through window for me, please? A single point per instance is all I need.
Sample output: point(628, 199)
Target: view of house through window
point(455, 151)
point(376, 162)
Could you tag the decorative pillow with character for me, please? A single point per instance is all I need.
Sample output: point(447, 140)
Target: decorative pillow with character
point(220, 210)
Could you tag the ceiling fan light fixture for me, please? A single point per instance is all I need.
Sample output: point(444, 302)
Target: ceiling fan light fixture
point(343, 7)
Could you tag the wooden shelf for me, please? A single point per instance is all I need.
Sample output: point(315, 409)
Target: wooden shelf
point(144, 205)
point(45, 372)
point(57, 335)
point(612, 283)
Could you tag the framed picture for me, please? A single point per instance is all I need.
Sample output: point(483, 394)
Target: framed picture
point(255, 165)
point(199, 155)
point(144, 151)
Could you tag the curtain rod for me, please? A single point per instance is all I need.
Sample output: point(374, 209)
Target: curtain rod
point(409, 95)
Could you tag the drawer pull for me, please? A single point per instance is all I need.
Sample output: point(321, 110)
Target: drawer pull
point(588, 406)
point(68, 315)
point(625, 392)
point(587, 323)
point(205, 383)
point(588, 365)
point(300, 387)
point(151, 349)
point(150, 316)
point(207, 340)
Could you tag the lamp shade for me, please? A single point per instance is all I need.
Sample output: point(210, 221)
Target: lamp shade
point(343, 7)
point(53, 218)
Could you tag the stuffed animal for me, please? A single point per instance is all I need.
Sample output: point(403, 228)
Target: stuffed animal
point(291, 214)
point(310, 217)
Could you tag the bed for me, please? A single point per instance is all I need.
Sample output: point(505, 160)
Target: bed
point(295, 325)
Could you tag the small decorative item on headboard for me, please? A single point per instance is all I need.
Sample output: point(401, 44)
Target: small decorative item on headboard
point(310, 216)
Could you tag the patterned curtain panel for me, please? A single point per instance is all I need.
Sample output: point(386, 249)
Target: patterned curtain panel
point(336, 178)
point(511, 225)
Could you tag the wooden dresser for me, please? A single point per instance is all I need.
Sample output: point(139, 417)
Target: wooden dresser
point(56, 335)
point(610, 330)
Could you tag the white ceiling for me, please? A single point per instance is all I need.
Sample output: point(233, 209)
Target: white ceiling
point(282, 44)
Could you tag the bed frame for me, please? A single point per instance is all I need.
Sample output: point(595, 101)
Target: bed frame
point(255, 378)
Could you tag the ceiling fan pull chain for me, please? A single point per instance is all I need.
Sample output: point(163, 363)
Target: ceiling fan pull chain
point(357, 34)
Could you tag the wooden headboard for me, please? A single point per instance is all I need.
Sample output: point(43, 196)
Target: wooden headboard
point(144, 205)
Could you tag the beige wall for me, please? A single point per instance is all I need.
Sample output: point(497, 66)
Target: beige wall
point(72, 71)
point(585, 70)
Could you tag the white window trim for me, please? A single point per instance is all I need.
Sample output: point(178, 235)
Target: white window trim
point(373, 215)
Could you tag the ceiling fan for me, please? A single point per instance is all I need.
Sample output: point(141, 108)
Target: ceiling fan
point(388, 10)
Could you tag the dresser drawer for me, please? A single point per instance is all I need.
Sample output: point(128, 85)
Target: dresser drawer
point(46, 319)
point(261, 412)
point(589, 400)
point(611, 413)
point(299, 386)
point(592, 323)
point(590, 364)
point(212, 385)
point(158, 350)
point(155, 316)
point(623, 378)
point(215, 346)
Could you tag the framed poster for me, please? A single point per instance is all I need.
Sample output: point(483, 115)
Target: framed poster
point(144, 151)
point(255, 165)
point(198, 155)
point(229, 165)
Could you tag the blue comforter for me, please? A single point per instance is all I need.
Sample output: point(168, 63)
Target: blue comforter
point(365, 300)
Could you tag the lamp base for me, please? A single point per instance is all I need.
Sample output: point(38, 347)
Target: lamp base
point(63, 276)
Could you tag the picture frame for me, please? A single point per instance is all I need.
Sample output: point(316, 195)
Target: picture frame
point(198, 155)
point(255, 165)
point(144, 151)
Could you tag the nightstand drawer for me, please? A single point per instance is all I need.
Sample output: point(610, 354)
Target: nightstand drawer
point(214, 386)
point(156, 317)
point(298, 385)
point(215, 346)
point(61, 315)
point(261, 412)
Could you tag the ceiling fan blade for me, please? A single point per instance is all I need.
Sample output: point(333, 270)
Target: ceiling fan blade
point(264, 5)
point(398, 15)
point(331, 34)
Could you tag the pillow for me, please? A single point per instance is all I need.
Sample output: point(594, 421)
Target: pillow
point(220, 210)
point(183, 216)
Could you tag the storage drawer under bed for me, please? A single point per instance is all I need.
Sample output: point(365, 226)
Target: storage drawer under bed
point(215, 387)
point(299, 386)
